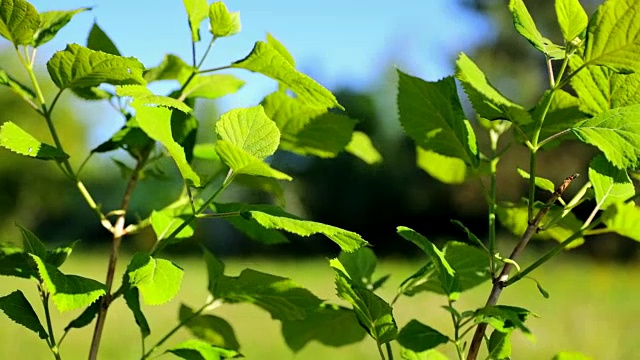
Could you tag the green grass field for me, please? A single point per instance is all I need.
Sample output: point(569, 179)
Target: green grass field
point(593, 309)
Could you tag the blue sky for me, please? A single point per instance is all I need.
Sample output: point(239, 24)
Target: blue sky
point(340, 43)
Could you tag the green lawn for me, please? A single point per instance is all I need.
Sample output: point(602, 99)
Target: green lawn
point(593, 309)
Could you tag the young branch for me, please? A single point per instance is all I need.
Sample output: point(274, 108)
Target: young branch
point(118, 232)
point(499, 283)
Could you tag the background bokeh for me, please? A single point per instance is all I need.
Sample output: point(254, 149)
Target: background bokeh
point(353, 48)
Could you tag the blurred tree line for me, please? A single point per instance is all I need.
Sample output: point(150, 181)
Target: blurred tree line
point(345, 192)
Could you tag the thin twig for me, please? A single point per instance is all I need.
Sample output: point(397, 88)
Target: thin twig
point(499, 283)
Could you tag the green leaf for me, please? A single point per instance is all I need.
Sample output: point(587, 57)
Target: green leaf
point(223, 22)
point(16, 86)
point(199, 350)
point(499, 345)
point(330, 325)
point(248, 227)
point(561, 110)
point(59, 255)
point(132, 298)
point(273, 217)
point(197, 10)
point(156, 123)
point(242, 162)
point(13, 138)
point(613, 36)
point(600, 89)
point(167, 220)
point(504, 318)
point(487, 101)
point(432, 354)
point(17, 308)
point(250, 130)
point(470, 265)
point(373, 313)
point(361, 147)
point(15, 262)
point(525, 25)
point(212, 86)
point(215, 269)
point(19, 21)
point(69, 292)
point(432, 116)
point(268, 185)
point(610, 184)
point(141, 95)
point(86, 317)
point(419, 337)
point(212, 329)
point(616, 133)
point(80, 67)
point(32, 244)
point(572, 18)
point(623, 218)
point(281, 49)
point(449, 170)
point(265, 59)
point(542, 183)
point(172, 67)
point(281, 297)
point(449, 283)
point(158, 280)
point(206, 151)
point(359, 265)
point(515, 217)
point(307, 130)
point(52, 22)
point(570, 355)
point(98, 40)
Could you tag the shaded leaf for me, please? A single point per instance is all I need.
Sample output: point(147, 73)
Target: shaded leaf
point(431, 114)
point(499, 345)
point(419, 337)
point(86, 317)
point(487, 101)
point(172, 67)
point(17, 308)
point(98, 40)
point(16, 86)
point(504, 318)
point(31, 243)
point(132, 298)
point(449, 283)
point(200, 350)
point(359, 265)
point(59, 255)
point(212, 329)
point(158, 280)
point(373, 313)
point(281, 297)
point(15, 139)
point(330, 325)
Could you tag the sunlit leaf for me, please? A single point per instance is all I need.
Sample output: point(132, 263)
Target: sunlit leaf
point(158, 280)
point(448, 170)
point(13, 138)
point(249, 129)
point(197, 10)
point(195, 349)
point(223, 22)
point(19, 21)
point(610, 184)
point(212, 86)
point(361, 147)
point(52, 22)
point(242, 162)
point(572, 18)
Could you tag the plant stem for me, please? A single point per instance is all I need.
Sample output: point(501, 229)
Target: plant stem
point(499, 283)
point(163, 243)
point(118, 232)
point(456, 331)
point(389, 351)
point(210, 304)
point(492, 199)
point(52, 339)
point(380, 351)
point(552, 137)
point(214, 69)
